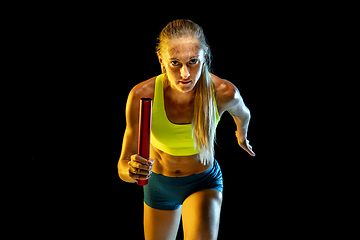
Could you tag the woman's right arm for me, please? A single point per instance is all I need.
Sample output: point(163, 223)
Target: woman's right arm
point(132, 167)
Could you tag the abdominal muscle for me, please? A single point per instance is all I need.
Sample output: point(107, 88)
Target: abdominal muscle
point(176, 166)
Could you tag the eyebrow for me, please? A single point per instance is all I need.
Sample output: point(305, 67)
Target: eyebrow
point(179, 59)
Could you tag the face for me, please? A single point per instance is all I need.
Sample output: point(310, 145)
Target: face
point(183, 61)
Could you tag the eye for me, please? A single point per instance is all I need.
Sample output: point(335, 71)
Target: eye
point(175, 63)
point(194, 61)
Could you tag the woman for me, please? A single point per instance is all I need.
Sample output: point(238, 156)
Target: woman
point(184, 178)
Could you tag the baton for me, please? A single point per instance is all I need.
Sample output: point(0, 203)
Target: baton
point(144, 132)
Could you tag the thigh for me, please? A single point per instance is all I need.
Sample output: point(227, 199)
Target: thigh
point(201, 215)
point(161, 224)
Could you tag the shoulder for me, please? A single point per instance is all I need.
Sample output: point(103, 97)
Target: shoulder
point(143, 90)
point(225, 90)
point(227, 95)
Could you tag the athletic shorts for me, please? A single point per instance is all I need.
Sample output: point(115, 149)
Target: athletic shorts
point(169, 193)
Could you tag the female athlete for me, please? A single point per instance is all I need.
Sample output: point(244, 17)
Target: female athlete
point(188, 102)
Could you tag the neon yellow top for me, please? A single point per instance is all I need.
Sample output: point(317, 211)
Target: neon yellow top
point(174, 139)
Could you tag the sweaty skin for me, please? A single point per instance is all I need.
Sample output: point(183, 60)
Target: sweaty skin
point(183, 63)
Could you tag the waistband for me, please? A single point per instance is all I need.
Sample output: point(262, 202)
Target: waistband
point(187, 179)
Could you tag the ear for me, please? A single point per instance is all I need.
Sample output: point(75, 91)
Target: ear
point(205, 60)
point(161, 63)
point(160, 59)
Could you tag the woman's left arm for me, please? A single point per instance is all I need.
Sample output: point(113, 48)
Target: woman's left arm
point(241, 114)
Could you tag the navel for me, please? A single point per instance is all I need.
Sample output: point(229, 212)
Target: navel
point(177, 171)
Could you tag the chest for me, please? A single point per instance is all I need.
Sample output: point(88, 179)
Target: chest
point(179, 114)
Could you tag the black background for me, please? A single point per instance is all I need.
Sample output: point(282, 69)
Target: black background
point(83, 64)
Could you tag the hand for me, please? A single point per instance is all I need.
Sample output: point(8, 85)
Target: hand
point(244, 144)
point(140, 168)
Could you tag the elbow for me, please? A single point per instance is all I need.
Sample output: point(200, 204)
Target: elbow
point(246, 117)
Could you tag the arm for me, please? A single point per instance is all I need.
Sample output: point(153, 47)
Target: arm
point(234, 104)
point(129, 160)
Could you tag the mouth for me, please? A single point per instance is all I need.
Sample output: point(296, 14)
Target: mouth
point(185, 81)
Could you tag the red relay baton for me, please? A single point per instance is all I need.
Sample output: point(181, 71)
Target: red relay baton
point(144, 132)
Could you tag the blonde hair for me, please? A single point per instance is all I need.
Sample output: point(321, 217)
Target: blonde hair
point(204, 117)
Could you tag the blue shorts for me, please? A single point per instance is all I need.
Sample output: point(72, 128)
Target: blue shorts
point(168, 193)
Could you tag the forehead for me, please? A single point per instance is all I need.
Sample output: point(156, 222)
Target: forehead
point(184, 48)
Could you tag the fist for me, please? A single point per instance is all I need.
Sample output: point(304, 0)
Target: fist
point(139, 167)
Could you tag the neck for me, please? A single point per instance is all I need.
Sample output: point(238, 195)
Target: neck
point(181, 98)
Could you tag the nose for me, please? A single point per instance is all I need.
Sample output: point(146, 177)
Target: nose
point(184, 72)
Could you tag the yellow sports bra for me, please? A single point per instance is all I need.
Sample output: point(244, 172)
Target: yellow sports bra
point(174, 139)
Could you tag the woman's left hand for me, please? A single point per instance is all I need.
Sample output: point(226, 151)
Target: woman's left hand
point(244, 144)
